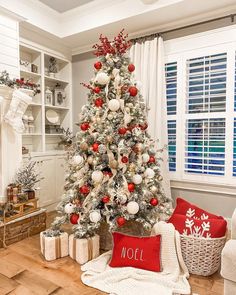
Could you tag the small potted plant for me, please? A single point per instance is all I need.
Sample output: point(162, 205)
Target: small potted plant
point(27, 177)
point(52, 67)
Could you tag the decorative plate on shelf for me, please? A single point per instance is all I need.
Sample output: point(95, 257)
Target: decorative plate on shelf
point(52, 117)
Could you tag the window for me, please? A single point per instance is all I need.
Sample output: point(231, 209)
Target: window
point(201, 108)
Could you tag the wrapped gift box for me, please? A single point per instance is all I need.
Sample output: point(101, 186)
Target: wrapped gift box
point(54, 247)
point(83, 250)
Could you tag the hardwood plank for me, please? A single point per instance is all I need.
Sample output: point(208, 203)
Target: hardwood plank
point(9, 269)
point(21, 290)
point(6, 285)
point(35, 283)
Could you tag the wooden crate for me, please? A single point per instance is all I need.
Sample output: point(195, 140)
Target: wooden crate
point(23, 227)
point(22, 209)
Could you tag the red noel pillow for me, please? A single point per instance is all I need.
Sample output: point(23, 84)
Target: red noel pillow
point(185, 208)
point(138, 252)
point(208, 228)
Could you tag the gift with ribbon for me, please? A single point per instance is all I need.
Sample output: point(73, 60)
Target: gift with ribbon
point(54, 247)
point(83, 250)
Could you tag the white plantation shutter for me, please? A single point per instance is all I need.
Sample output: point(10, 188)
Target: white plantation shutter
point(206, 89)
point(234, 149)
point(205, 146)
point(171, 98)
point(171, 87)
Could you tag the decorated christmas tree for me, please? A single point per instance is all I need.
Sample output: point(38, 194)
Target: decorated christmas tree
point(114, 172)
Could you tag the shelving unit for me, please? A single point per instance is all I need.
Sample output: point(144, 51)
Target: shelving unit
point(38, 141)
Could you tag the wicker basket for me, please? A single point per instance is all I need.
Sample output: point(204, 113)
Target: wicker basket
point(202, 255)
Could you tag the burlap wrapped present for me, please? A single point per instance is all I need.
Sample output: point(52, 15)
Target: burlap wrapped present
point(83, 250)
point(54, 247)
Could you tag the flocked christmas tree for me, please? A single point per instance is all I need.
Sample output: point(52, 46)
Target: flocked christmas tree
point(114, 172)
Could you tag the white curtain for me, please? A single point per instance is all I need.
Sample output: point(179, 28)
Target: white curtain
point(148, 58)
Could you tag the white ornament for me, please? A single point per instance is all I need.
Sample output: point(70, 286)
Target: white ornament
point(138, 85)
point(145, 158)
point(95, 216)
point(132, 207)
point(69, 208)
point(77, 160)
point(102, 78)
point(97, 176)
point(114, 105)
point(110, 117)
point(149, 173)
point(137, 179)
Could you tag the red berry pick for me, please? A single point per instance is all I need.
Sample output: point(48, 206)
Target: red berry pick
point(154, 201)
point(98, 102)
point(120, 221)
point(152, 159)
point(74, 218)
point(96, 89)
point(106, 199)
point(84, 189)
point(98, 65)
point(131, 186)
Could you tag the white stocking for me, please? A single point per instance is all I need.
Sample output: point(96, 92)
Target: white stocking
point(18, 106)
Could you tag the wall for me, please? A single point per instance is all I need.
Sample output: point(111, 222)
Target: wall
point(9, 44)
point(217, 199)
point(82, 71)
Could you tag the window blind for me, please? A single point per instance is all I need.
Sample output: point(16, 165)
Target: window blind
point(171, 87)
point(234, 149)
point(172, 144)
point(205, 146)
point(206, 84)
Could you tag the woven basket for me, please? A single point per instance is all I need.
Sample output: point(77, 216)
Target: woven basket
point(131, 228)
point(202, 255)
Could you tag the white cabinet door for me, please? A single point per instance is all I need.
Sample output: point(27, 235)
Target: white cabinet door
point(47, 193)
point(60, 162)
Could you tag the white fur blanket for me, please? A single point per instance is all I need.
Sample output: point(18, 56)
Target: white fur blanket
point(133, 281)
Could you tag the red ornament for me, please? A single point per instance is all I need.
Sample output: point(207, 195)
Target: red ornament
point(84, 189)
point(99, 102)
point(98, 65)
point(74, 218)
point(131, 68)
point(95, 146)
point(121, 221)
point(84, 126)
point(144, 126)
point(131, 186)
point(133, 91)
point(122, 130)
point(152, 159)
point(124, 159)
point(105, 199)
point(154, 201)
point(96, 89)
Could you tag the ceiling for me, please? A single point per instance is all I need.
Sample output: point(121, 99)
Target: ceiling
point(63, 6)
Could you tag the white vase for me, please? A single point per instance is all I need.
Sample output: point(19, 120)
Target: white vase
point(29, 92)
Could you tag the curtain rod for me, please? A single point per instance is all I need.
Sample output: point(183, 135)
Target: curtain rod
point(154, 35)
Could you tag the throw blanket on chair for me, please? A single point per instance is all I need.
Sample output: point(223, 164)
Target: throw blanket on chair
point(133, 281)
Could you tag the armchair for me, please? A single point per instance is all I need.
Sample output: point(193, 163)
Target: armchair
point(228, 261)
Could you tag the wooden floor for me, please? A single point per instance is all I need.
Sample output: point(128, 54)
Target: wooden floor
point(23, 271)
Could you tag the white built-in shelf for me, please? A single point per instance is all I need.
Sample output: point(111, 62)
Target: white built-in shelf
point(40, 142)
point(51, 79)
point(53, 134)
point(32, 134)
point(29, 74)
point(56, 107)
